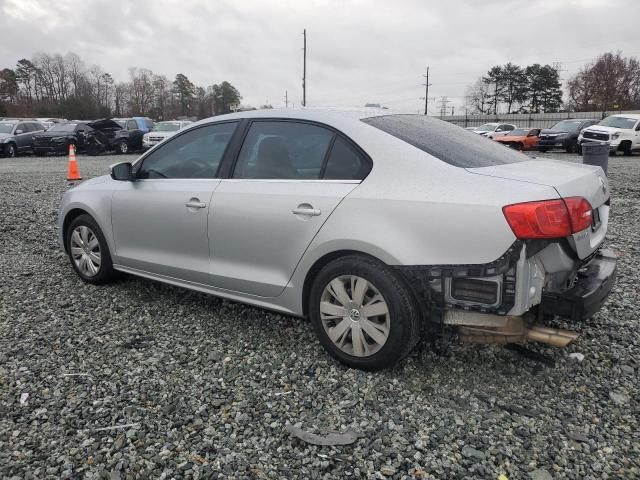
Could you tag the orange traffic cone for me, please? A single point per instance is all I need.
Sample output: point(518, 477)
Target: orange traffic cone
point(73, 172)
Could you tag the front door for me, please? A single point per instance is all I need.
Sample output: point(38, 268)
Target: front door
point(160, 220)
point(283, 189)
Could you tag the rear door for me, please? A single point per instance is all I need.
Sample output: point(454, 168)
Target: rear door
point(286, 182)
point(160, 220)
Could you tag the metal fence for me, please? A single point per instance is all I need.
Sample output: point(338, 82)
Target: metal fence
point(537, 120)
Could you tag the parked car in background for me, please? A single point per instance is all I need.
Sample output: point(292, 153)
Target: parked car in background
point(564, 134)
point(16, 136)
point(520, 138)
point(57, 138)
point(313, 213)
point(492, 130)
point(122, 135)
point(161, 131)
point(144, 123)
point(622, 131)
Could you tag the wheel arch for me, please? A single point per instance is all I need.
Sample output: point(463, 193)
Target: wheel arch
point(69, 217)
point(319, 264)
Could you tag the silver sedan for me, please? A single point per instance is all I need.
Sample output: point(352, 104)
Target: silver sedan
point(377, 227)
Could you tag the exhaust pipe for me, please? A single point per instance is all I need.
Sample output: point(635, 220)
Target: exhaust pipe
point(484, 328)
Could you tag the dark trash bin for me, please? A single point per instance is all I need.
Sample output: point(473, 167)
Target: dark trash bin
point(596, 154)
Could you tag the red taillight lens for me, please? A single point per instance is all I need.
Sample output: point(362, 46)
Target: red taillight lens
point(580, 212)
point(548, 218)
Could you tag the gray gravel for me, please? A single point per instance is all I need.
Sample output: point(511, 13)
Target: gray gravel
point(143, 380)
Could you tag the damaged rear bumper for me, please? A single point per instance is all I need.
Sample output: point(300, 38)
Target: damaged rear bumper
point(584, 299)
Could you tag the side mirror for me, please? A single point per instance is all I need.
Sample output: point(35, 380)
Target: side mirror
point(122, 171)
point(19, 131)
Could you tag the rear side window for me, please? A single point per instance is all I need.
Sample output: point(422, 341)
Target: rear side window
point(283, 150)
point(345, 162)
point(446, 141)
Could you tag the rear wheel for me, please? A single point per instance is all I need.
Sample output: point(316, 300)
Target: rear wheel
point(88, 251)
point(363, 313)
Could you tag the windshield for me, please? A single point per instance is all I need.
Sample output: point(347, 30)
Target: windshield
point(519, 132)
point(567, 126)
point(446, 141)
point(62, 127)
point(6, 127)
point(166, 127)
point(618, 122)
point(487, 127)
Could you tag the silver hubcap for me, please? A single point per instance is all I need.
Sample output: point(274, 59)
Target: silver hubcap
point(355, 315)
point(85, 250)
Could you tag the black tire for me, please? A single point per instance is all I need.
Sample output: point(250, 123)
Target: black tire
point(122, 148)
point(105, 273)
point(578, 149)
point(10, 150)
point(626, 149)
point(571, 147)
point(404, 313)
point(543, 149)
point(40, 154)
point(612, 153)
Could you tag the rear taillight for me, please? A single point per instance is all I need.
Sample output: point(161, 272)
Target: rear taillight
point(580, 212)
point(548, 218)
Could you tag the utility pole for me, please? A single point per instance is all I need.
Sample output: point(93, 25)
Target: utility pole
point(452, 110)
point(443, 106)
point(426, 94)
point(286, 100)
point(304, 68)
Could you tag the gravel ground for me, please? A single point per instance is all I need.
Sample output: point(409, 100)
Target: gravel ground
point(199, 387)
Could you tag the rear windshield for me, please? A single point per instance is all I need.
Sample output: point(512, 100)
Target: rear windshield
point(446, 141)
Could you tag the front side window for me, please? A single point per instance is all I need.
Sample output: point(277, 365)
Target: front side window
point(132, 125)
point(345, 162)
point(283, 150)
point(21, 128)
point(195, 154)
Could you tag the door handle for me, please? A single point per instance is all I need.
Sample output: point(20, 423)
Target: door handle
point(307, 210)
point(195, 203)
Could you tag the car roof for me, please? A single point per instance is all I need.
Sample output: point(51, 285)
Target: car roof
point(306, 113)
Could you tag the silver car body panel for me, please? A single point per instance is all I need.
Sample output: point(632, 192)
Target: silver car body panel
point(248, 245)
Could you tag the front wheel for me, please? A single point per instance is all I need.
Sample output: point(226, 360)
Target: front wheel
point(543, 149)
point(88, 251)
point(122, 147)
point(571, 147)
point(11, 150)
point(363, 313)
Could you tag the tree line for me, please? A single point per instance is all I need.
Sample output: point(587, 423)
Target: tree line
point(610, 82)
point(65, 87)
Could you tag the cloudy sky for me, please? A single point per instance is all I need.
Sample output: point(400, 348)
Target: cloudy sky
point(358, 50)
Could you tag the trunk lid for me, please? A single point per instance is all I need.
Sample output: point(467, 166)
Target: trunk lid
point(569, 180)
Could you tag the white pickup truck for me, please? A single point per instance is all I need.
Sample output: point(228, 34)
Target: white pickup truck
point(621, 131)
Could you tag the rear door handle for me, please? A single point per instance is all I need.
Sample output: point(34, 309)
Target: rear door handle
point(195, 203)
point(307, 210)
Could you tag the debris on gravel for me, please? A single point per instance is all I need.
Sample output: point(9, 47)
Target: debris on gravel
point(139, 379)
